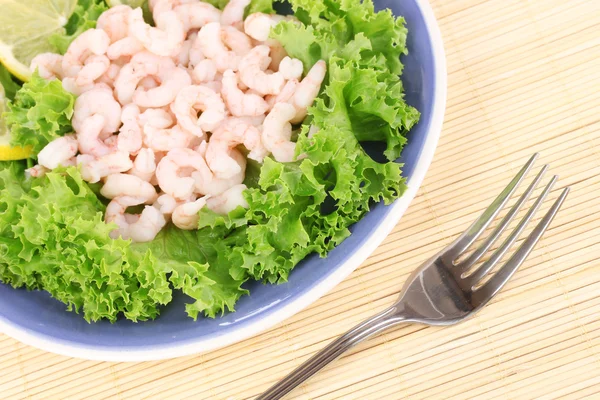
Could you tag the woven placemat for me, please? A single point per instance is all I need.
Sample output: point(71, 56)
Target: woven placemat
point(523, 76)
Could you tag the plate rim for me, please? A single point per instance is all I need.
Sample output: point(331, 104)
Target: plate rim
point(167, 351)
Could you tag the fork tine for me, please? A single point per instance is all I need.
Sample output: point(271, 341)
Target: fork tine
point(483, 294)
point(479, 252)
point(465, 240)
point(487, 266)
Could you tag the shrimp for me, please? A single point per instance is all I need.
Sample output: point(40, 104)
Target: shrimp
point(198, 98)
point(157, 118)
point(126, 47)
point(197, 15)
point(166, 204)
point(98, 101)
point(215, 85)
point(138, 228)
point(161, 139)
point(144, 165)
point(252, 72)
point(182, 57)
point(89, 137)
point(144, 65)
point(258, 25)
point(94, 169)
point(236, 40)
point(94, 67)
point(48, 65)
point(90, 42)
point(115, 22)
point(117, 185)
point(70, 86)
point(130, 134)
point(277, 53)
point(58, 151)
point(291, 68)
point(110, 75)
point(233, 13)
point(185, 216)
point(239, 103)
point(174, 172)
point(285, 96)
point(308, 90)
point(228, 201)
point(229, 135)
point(277, 132)
point(165, 39)
point(208, 184)
point(204, 71)
point(209, 41)
point(174, 82)
point(37, 171)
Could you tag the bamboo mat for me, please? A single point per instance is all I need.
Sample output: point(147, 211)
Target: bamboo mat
point(523, 76)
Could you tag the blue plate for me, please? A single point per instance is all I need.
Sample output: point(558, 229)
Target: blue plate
point(37, 319)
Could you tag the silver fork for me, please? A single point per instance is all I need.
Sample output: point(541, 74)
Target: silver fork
point(444, 290)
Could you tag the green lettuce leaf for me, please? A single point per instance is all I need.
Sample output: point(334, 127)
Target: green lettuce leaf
point(84, 17)
point(7, 81)
point(41, 112)
point(264, 6)
point(52, 237)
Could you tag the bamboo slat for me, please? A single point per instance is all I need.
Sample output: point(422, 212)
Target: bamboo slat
point(523, 76)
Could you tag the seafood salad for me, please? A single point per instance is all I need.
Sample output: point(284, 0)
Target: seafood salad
point(194, 146)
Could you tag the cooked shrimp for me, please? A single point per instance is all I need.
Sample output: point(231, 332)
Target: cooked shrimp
point(185, 216)
point(308, 90)
point(161, 139)
point(252, 72)
point(174, 172)
point(236, 40)
point(204, 71)
point(209, 41)
point(142, 65)
point(208, 184)
point(115, 22)
point(196, 15)
point(89, 138)
point(291, 68)
point(228, 201)
point(98, 101)
point(126, 47)
point(285, 96)
point(216, 85)
point(58, 151)
point(94, 67)
point(117, 185)
point(130, 134)
point(277, 132)
point(144, 165)
point(37, 171)
point(182, 57)
point(110, 75)
point(233, 13)
point(258, 25)
point(177, 79)
point(93, 169)
point(277, 53)
point(229, 135)
point(72, 87)
point(49, 65)
point(240, 103)
point(165, 39)
point(198, 98)
point(139, 228)
point(166, 204)
point(90, 42)
point(157, 118)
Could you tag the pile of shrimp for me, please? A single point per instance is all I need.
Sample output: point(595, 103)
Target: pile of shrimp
point(162, 112)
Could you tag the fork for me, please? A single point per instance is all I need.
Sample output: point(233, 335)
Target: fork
point(447, 289)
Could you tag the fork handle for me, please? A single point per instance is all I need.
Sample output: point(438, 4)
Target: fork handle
point(370, 327)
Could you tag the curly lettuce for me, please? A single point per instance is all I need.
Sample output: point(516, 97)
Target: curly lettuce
point(52, 237)
point(40, 112)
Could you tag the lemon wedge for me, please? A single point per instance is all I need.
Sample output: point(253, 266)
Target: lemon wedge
point(24, 28)
point(8, 152)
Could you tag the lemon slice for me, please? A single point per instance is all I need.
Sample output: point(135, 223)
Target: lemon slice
point(25, 27)
point(7, 152)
